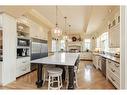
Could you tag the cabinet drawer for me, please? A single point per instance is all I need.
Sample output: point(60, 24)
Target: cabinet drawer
point(110, 63)
point(117, 66)
point(114, 67)
point(23, 61)
point(115, 80)
point(22, 70)
point(115, 71)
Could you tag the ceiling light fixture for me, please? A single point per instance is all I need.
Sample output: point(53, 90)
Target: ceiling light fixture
point(65, 36)
point(57, 30)
point(69, 32)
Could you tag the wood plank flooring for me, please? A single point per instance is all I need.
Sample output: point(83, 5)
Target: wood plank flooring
point(88, 78)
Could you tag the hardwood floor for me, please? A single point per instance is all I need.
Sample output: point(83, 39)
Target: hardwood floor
point(88, 78)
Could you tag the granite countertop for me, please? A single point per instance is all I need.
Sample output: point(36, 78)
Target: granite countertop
point(109, 57)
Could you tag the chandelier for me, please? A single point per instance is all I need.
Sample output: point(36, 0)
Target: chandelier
point(57, 30)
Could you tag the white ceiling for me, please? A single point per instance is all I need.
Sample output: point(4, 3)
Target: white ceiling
point(76, 16)
point(81, 18)
point(98, 15)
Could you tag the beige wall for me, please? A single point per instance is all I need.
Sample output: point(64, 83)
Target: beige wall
point(49, 41)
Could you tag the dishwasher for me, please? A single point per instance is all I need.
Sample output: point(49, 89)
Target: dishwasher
point(103, 65)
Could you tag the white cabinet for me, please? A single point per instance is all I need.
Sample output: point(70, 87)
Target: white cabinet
point(113, 72)
point(37, 31)
point(8, 24)
point(0, 73)
point(114, 32)
point(34, 31)
point(114, 36)
point(22, 66)
point(86, 56)
point(1, 21)
point(96, 60)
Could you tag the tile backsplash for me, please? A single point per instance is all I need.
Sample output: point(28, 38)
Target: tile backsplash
point(114, 50)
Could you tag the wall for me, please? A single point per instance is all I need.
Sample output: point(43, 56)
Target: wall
point(123, 46)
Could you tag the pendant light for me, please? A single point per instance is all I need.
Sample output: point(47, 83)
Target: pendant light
point(69, 32)
point(57, 30)
point(65, 36)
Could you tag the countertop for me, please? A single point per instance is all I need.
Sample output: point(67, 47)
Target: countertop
point(67, 59)
point(108, 57)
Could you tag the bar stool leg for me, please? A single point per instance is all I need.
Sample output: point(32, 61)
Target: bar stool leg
point(61, 84)
point(58, 82)
point(76, 82)
point(49, 83)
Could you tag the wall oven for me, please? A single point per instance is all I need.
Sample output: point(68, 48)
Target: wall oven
point(23, 42)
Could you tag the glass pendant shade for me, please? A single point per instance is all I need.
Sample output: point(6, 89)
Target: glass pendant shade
point(57, 30)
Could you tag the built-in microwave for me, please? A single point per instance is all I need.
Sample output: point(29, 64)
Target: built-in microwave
point(23, 42)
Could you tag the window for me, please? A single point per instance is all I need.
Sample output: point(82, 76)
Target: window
point(87, 44)
point(62, 44)
point(98, 42)
point(53, 45)
point(104, 42)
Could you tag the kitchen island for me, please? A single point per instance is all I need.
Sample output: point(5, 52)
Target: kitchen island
point(64, 59)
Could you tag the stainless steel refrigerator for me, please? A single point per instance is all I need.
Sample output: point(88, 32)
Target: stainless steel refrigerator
point(39, 49)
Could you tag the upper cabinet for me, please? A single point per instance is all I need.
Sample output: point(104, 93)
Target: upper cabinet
point(114, 31)
point(37, 31)
point(8, 48)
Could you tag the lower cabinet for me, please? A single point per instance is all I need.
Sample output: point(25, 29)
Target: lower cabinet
point(86, 56)
point(0, 73)
point(96, 60)
point(23, 66)
point(113, 72)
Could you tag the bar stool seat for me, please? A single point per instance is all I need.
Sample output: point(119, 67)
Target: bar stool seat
point(55, 76)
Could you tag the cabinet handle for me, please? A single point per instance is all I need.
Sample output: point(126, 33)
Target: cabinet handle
point(109, 61)
point(112, 79)
point(24, 69)
point(24, 61)
point(112, 70)
point(117, 65)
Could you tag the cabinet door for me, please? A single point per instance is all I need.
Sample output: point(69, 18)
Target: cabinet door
point(1, 21)
point(94, 61)
point(33, 30)
point(114, 32)
point(114, 37)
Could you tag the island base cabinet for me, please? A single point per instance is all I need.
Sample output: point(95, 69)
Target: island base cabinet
point(39, 81)
point(71, 77)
